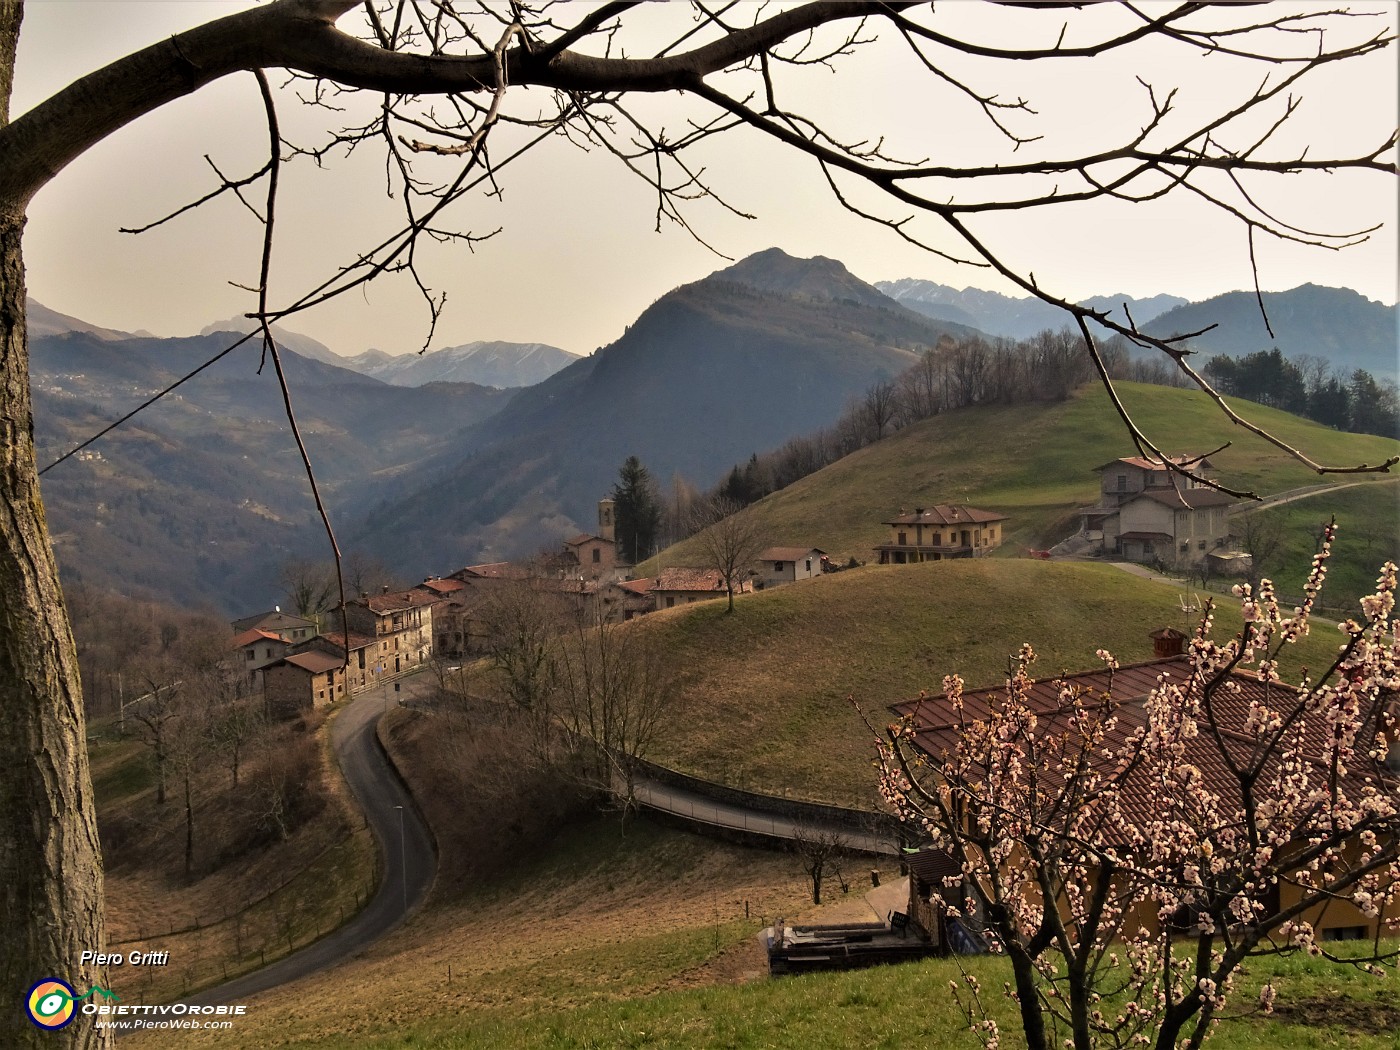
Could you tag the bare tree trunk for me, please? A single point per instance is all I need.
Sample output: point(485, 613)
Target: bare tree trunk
point(50, 859)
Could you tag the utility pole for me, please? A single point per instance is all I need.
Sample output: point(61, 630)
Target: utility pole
point(403, 860)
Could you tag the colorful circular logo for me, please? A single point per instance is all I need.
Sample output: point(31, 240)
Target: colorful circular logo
point(50, 1003)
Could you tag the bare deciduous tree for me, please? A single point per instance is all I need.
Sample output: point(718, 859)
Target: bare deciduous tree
point(817, 848)
point(440, 81)
point(730, 541)
point(615, 690)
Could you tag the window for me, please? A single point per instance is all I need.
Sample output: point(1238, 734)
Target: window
point(903, 539)
point(252, 654)
point(809, 564)
point(938, 539)
point(1345, 933)
point(1201, 545)
point(1122, 483)
point(670, 603)
point(777, 566)
point(597, 555)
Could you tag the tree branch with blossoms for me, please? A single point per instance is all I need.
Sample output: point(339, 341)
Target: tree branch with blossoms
point(1136, 850)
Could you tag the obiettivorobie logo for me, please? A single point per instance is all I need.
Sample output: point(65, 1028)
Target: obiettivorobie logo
point(51, 1003)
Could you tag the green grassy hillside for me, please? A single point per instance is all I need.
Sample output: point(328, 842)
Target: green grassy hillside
point(1033, 462)
point(1368, 533)
point(765, 689)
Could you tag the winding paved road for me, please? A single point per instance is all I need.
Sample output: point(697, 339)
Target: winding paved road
point(407, 856)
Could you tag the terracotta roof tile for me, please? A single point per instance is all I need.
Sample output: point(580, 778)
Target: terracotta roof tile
point(315, 661)
point(937, 731)
point(683, 579)
point(252, 635)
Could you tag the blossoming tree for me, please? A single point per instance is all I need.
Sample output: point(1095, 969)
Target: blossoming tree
point(1128, 850)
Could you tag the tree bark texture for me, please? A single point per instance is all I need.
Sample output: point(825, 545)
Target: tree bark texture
point(50, 859)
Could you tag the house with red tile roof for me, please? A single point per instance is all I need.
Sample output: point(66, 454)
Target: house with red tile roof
point(289, 628)
point(624, 600)
point(254, 650)
point(937, 726)
point(682, 586)
point(1148, 512)
point(939, 532)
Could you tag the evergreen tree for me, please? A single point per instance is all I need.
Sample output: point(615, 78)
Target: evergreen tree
point(637, 511)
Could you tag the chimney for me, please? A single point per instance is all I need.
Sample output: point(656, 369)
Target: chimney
point(385, 589)
point(1167, 641)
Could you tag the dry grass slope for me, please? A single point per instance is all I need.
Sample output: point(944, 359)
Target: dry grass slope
point(765, 689)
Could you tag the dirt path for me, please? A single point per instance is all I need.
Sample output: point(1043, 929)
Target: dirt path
point(406, 853)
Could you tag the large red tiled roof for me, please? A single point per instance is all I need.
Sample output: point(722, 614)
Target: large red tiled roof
point(937, 724)
point(442, 587)
point(252, 635)
point(679, 578)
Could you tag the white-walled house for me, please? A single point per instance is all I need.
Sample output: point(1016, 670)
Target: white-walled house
point(779, 565)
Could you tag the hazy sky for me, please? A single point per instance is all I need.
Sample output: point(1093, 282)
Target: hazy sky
point(578, 257)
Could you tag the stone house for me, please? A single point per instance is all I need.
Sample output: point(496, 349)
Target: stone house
point(626, 599)
point(1149, 513)
point(361, 669)
point(942, 531)
point(779, 565)
point(401, 623)
point(301, 682)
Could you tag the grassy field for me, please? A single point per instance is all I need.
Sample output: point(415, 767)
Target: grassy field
point(764, 690)
point(1368, 533)
point(640, 941)
point(1033, 462)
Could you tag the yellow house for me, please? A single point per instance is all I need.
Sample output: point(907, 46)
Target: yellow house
point(941, 531)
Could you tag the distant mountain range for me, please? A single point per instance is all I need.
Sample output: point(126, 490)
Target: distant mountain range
point(1009, 316)
point(497, 364)
point(711, 372)
point(1338, 324)
point(202, 496)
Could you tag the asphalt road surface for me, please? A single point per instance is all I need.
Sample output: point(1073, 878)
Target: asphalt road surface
point(406, 852)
